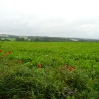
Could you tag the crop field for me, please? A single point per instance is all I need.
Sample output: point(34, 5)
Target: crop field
point(49, 70)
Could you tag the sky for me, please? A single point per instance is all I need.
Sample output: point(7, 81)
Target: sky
point(53, 18)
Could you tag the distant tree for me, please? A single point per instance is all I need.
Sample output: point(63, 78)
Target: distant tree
point(31, 40)
point(22, 39)
point(19, 39)
point(46, 39)
point(36, 40)
point(26, 40)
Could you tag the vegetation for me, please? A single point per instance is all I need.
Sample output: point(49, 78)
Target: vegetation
point(4, 37)
point(49, 70)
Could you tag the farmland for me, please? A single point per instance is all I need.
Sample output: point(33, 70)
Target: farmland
point(49, 70)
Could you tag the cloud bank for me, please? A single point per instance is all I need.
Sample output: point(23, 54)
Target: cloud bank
point(58, 18)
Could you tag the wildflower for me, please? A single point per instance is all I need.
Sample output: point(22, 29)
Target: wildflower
point(66, 66)
point(5, 53)
point(9, 52)
point(39, 65)
point(61, 68)
point(70, 68)
point(0, 50)
point(12, 61)
point(19, 61)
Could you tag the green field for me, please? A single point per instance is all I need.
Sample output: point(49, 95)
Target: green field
point(49, 70)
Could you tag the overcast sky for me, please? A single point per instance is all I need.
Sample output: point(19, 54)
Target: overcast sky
point(59, 18)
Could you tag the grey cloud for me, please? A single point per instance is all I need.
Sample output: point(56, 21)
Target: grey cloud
point(21, 24)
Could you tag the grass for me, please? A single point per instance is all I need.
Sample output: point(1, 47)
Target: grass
point(49, 70)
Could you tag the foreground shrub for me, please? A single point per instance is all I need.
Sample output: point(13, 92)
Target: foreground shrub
point(21, 82)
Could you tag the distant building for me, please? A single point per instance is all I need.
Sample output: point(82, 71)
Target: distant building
point(74, 40)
